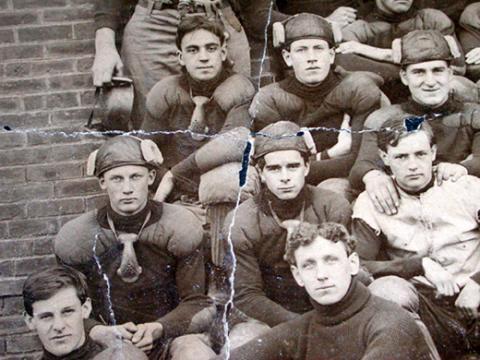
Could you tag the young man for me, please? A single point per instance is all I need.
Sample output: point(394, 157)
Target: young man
point(56, 305)
point(205, 100)
point(317, 95)
point(148, 43)
point(264, 287)
point(143, 259)
point(433, 240)
point(425, 57)
point(347, 321)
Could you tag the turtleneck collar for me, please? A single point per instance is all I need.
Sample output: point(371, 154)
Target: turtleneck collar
point(284, 209)
point(85, 352)
point(315, 94)
point(448, 107)
point(133, 223)
point(353, 302)
point(207, 87)
point(379, 15)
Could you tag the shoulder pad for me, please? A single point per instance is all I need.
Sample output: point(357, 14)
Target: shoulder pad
point(235, 90)
point(376, 119)
point(165, 93)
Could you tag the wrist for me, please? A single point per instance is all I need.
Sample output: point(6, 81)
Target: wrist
point(372, 174)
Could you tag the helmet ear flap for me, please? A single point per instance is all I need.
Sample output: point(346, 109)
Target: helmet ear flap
point(307, 137)
point(91, 163)
point(151, 153)
point(337, 32)
point(397, 51)
point(278, 35)
point(453, 46)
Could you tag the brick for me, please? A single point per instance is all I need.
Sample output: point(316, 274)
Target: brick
point(95, 202)
point(85, 64)
point(26, 4)
point(75, 81)
point(30, 356)
point(22, 86)
point(10, 105)
point(62, 100)
point(25, 121)
point(11, 306)
point(74, 14)
point(24, 343)
point(6, 36)
point(11, 139)
point(44, 33)
point(35, 227)
point(11, 286)
point(84, 31)
point(27, 266)
point(3, 232)
point(24, 192)
point(78, 187)
point(38, 209)
point(18, 18)
point(7, 268)
point(35, 102)
point(18, 69)
point(16, 248)
point(43, 246)
point(87, 97)
point(12, 211)
point(21, 52)
point(39, 68)
point(59, 171)
point(54, 136)
point(12, 325)
point(4, 5)
point(12, 175)
point(70, 48)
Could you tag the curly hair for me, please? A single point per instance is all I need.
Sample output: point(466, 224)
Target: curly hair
point(196, 22)
point(305, 233)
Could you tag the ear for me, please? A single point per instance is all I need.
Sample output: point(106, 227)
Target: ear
point(296, 275)
point(151, 176)
point(307, 168)
point(434, 152)
point(224, 51)
point(403, 77)
point(101, 182)
point(332, 56)
point(286, 57)
point(384, 156)
point(354, 263)
point(180, 58)
point(29, 321)
point(86, 308)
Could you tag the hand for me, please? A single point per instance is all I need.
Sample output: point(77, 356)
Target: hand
point(146, 335)
point(469, 300)
point(473, 56)
point(439, 277)
point(343, 15)
point(107, 61)
point(449, 171)
point(350, 47)
point(382, 192)
point(109, 335)
point(344, 140)
point(165, 187)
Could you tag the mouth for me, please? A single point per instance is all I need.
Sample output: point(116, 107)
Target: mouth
point(312, 68)
point(60, 337)
point(205, 68)
point(414, 176)
point(128, 200)
point(287, 189)
point(324, 287)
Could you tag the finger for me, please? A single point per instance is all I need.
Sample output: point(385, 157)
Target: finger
point(439, 175)
point(146, 343)
point(139, 334)
point(119, 69)
point(385, 204)
point(376, 203)
point(130, 326)
point(127, 335)
point(393, 195)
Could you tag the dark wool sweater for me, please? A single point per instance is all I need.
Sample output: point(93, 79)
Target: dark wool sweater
point(360, 326)
point(86, 352)
point(356, 94)
point(455, 125)
point(264, 286)
point(170, 289)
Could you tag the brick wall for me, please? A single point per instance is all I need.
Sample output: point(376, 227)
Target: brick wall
point(46, 49)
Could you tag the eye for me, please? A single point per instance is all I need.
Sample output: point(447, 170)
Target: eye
point(68, 311)
point(136, 176)
point(116, 179)
point(192, 50)
point(308, 265)
point(212, 48)
point(293, 166)
point(45, 316)
point(401, 156)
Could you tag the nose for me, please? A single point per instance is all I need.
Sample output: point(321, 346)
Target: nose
point(127, 187)
point(430, 79)
point(311, 58)
point(58, 324)
point(203, 55)
point(284, 176)
point(412, 164)
point(321, 273)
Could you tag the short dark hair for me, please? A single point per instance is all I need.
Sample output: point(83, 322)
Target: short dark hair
point(260, 162)
point(305, 233)
point(395, 129)
point(45, 284)
point(196, 22)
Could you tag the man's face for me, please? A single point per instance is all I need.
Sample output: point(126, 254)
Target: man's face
point(202, 54)
point(428, 82)
point(325, 270)
point(394, 6)
point(127, 188)
point(411, 161)
point(284, 173)
point(311, 60)
point(58, 321)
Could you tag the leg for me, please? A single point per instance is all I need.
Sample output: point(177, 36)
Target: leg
point(191, 347)
point(340, 186)
point(246, 331)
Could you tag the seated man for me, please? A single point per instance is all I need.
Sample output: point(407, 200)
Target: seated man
point(142, 258)
point(425, 59)
point(56, 305)
point(387, 20)
point(433, 240)
point(347, 322)
point(264, 287)
point(204, 100)
point(318, 95)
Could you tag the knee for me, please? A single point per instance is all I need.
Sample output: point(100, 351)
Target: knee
point(246, 331)
point(340, 186)
point(397, 290)
point(191, 347)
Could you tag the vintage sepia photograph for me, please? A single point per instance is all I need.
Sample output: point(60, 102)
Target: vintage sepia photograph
point(239, 179)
